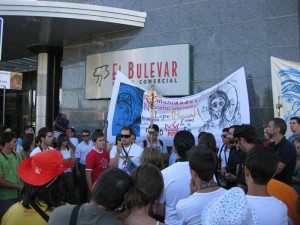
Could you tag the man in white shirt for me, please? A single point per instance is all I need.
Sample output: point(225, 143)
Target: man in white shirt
point(82, 149)
point(45, 136)
point(73, 141)
point(176, 178)
point(260, 166)
point(202, 161)
point(128, 155)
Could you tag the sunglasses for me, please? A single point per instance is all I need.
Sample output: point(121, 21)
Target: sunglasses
point(86, 135)
point(66, 140)
point(223, 136)
point(125, 135)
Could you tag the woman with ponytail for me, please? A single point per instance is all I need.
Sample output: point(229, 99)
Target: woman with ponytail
point(147, 188)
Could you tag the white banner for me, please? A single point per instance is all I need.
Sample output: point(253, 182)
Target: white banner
point(221, 106)
point(286, 88)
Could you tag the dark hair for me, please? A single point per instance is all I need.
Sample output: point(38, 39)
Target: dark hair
point(183, 141)
point(152, 156)
point(203, 161)
point(148, 185)
point(200, 134)
point(97, 135)
point(127, 128)
point(262, 163)
point(72, 130)
point(118, 138)
point(42, 133)
point(155, 127)
point(27, 141)
point(53, 196)
point(110, 188)
point(60, 139)
point(85, 131)
point(226, 129)
point(99, 130)
point(28, 127)
point(7, 137)
point(247, 132)
point(281, 124)
point(209, 140)
point(295, 118)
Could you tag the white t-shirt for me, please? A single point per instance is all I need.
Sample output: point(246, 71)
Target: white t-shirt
point(134, 151)
point(82, 150)
point(67, 156)
point(176, 187)
point(189, 210)
point(74, 141)
point(270, 210)
point(38, 149)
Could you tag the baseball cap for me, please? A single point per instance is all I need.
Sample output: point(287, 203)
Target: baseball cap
point(231, 208)
point(43, 167)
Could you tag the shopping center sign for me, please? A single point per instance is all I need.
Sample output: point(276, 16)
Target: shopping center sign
point(168, 67)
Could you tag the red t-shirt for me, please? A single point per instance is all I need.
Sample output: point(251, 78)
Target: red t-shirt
point(97, 162)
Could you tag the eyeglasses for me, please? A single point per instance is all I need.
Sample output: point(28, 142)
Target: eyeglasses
point(86, 135)
point(125, 135)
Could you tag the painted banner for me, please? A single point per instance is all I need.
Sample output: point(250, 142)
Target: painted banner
point(11, 80)
point(286, 88)
point(221, 106)
point(168, 67)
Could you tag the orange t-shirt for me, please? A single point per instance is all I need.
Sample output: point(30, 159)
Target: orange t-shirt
point(287, 195)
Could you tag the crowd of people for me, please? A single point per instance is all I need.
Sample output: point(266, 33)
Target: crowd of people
point(59, 180)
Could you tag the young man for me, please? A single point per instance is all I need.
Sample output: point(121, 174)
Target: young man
point(45, 136)
point(97, 160)
point(153, 141)
point(73, 141)
point(260, 165)
point(245, 139)
point(202, 162)
point(231, 158)
point(107, 198)
point(10, 184)
point(82, 149)
point(295, 128)
point(285, 150)
point(128, 155)
point(176, 178)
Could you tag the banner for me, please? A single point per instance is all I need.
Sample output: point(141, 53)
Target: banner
point(221, 106)
point(286, 88)
point(11, 80)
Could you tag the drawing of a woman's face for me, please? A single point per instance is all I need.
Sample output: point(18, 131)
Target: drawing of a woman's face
point(217, 105)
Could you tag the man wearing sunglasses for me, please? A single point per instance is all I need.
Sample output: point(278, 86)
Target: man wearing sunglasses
point(128, 155)
point(82, 149)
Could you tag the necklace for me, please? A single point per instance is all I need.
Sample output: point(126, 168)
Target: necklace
point(205, 185)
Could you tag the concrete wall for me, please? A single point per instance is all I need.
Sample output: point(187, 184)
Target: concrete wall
point(225, 35)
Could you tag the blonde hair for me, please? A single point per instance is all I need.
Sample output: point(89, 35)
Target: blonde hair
point(152, 156)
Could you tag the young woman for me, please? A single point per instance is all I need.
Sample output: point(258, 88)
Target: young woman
point(68, 155)
point(28, 144)
point(147, 188)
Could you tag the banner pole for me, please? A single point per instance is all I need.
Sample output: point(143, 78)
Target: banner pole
point(3, 122)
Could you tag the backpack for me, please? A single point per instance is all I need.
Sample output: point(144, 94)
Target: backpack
point(160, 142)
point(61, 122)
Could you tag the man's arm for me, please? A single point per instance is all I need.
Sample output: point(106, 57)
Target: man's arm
point(280, 167)
point(114, 159)
point(159, 209)
point(88, 174)
point(7, 184)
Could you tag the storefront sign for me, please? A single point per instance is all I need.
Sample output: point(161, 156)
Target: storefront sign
point(168, 67)
point(11, 80)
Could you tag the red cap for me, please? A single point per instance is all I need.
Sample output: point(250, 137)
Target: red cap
point(43, 167)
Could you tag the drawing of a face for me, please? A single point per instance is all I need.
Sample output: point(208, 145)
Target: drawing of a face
point(217, 105)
